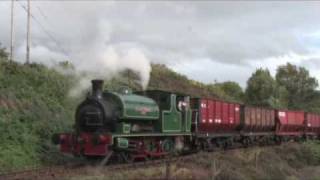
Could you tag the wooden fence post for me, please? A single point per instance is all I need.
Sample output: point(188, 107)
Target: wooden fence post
point(256, 159)
point(213, 170)
point(167, 170)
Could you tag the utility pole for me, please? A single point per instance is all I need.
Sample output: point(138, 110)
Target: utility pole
point(28, 35)
point(11, 35)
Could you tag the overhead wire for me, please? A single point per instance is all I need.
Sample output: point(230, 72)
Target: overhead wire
point(42, 14)
point(48, 33)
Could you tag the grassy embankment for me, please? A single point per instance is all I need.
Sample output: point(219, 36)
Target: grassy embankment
point(34, 104)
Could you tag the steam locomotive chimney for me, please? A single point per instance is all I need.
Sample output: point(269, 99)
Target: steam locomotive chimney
point(97, 85)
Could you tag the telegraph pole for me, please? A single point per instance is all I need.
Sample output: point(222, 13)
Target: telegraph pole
point(28, 35)
point(11, 35)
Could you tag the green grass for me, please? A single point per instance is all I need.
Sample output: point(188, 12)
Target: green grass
point(33, 106)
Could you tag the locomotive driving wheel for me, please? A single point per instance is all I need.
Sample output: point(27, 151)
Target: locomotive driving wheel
point(167, 146)
point(127, 157)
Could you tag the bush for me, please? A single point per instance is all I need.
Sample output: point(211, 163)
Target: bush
point(33, 106)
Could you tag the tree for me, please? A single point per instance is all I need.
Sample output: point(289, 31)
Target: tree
point(66, 65)
point(218, 91)
point(314, 104)
point(261, 89)
point(279, 100)
point(232, 89)
point(3, 53)
point(298, 83)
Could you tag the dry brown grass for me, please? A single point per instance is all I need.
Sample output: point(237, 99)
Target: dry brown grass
point(286, 162)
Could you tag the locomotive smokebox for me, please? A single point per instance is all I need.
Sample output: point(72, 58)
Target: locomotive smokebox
point(97, 86)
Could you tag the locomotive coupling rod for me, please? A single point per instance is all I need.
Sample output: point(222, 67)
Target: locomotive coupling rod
point(106, 159)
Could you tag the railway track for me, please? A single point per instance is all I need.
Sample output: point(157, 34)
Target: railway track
point(61, 172)
point(58, 172)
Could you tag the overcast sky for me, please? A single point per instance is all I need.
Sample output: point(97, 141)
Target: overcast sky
point(206, 41)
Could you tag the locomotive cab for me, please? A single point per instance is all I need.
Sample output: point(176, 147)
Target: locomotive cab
point(175, 112)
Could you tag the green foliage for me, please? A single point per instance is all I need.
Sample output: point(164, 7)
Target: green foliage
point(232, 89)
point(66, 65)
point(260, 88)
point(300, 86)
point(313, 105)
point(280, 97)
point(3, 53)
point(292, 89)
point(165, 79)
point(263, 90)
point(33, 106)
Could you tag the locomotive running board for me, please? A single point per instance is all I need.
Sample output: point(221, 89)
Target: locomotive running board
point(204, 135)
point(106, 159)
point(257, 133)
point(153, 134)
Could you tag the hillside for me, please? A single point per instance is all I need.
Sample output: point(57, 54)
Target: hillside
point(34, 104)
point(166, 79)
point(163, 78)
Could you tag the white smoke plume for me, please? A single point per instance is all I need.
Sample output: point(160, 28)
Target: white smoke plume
point(98, 62)
point(93, 58)
point(103, 60)
point(108, 63)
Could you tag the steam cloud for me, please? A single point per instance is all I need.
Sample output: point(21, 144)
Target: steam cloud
point(99, 58)
point(108, 63)
point(98, 62)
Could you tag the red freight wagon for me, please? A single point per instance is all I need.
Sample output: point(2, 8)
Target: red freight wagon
point(214, 116)
point(255, 119)
point(289, 122)
point(312, 124)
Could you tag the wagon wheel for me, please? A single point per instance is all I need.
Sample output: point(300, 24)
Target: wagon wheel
point(278, 140)
point(206, 145)
point(198, 146)
point(150, 148)
point(245, 142)
point(228, 144)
